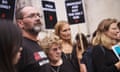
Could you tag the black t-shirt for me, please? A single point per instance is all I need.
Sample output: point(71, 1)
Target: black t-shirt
point(104, 61)
point(87, 59)
point(33, 59)
point(72, 58)
point(65, 67)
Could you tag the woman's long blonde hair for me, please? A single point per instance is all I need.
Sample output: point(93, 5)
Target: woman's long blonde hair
point(59, 26)
point(100, 37)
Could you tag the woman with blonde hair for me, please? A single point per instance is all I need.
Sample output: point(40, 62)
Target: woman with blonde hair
point(52, 47)
point(63, 30)
point(104, 59)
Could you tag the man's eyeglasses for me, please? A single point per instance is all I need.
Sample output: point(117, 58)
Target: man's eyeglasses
point(33, 15)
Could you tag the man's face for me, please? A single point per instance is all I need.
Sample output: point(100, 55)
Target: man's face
point(31, 20)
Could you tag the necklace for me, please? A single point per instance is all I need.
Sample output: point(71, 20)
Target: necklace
point(55, 68)
point(68, 56)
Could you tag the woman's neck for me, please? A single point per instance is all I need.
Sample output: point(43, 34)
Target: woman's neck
point(67, 48)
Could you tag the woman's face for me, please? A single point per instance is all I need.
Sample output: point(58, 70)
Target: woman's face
point(54, 52)
point(17, 56)
point(118, 36)
point(113, 31)
point(65, 32)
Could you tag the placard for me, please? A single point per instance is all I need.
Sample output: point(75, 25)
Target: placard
point(116, 50)
point(7, 9)
point(49, 11)
point(75, 12)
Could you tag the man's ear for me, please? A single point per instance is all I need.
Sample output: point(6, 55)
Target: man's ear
point(20, 23)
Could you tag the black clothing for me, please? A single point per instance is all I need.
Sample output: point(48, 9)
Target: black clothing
point(103, 61)
point(68, 56)
point(33, 59)
point(65, 67)
point(87, 59)
point(73, 59)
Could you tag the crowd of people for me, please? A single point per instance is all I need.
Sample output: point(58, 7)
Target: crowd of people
point(21, 52)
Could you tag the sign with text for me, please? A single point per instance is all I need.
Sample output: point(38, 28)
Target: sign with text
point(7, 9)
point(49, 14)
point(75, 12)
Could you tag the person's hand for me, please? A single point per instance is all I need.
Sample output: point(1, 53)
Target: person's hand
point(118, 65)
point(83, 68)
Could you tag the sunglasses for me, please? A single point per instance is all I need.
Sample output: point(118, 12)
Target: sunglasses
point(56, 49)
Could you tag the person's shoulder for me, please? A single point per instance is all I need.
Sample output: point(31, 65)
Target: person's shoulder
point(97, 47)
point(26, 40)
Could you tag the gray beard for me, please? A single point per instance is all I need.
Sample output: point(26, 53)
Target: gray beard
point(35, 30)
